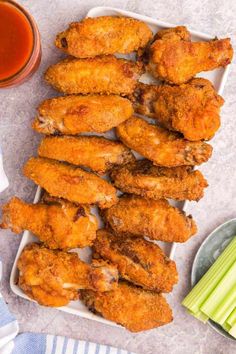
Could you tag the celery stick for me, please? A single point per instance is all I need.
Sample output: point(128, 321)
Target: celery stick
point(213, 303)
point(226, 326)
point(200, 316)
point(224, 304)
point(231, 320)
point(211, 278)
point(232, 331)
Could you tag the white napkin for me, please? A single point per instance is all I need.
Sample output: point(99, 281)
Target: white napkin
point(3, 178)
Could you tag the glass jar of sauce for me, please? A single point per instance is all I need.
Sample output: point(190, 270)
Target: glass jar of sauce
point(20, 49)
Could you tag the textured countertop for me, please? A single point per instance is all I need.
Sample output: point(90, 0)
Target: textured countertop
point(185, 335)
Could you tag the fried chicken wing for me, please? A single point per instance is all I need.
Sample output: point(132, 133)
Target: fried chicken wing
point(97, 153)
point(103, 35)
point(174, 58)
point(156, 219)
point(178, 33)
point(70, 182)
point(139, 261)
point(105, 74)
point(192, 109)
point(59, 224)
point(155, 182)
point(130, 306)
point(53, 278)
point(161, 146)
point(80, 114)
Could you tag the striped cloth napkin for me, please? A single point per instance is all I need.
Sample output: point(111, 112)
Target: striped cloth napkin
point(13, 342)
point(3, 178)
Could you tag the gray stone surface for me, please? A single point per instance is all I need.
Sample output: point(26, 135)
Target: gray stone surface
point(185, 335)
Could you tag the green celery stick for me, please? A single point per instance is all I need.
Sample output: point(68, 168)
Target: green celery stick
point(226, 326)
point(232, 331)
point(231, 320)
point(199, 315)
point(211, 278)
point(224, 307)
point(212, 304)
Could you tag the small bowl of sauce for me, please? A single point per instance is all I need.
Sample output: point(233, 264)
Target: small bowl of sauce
point(20, 49)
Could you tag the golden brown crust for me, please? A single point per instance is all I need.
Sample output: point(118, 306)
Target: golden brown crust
point(175, 59)
point(53, 278)
point(59, 225)
point(138, 261)
point(192, 109)
point(161, 146)
point(156, 219)
point(103, 35)
point(155, 182)
point(105, 74)
point(130, 306)
point(97, 153)
point(178, 33)
point(70, 182)
point(80, 114)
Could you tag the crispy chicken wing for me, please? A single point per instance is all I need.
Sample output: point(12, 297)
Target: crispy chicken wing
point(130, 306)
point(156, 219)
point(174, 58)
point(59, 224)
point(80, 114)
point(70, 182)
point(103, 35)
point(138, 261)
point(161, 146)
point(53, 278)
point(192, 109)
point(155, 182)
point(97, 153)
point(105, 74)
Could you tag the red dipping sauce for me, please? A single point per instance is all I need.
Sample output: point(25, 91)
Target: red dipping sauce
point(20, 51)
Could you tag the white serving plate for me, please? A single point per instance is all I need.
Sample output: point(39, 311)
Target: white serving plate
point(217, 77)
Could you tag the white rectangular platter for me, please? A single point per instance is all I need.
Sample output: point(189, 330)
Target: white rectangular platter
point(217, 77)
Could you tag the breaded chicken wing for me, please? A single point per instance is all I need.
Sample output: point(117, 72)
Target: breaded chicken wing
point(59, 224)
point(174, 58)
point(156, 219)
point(103, 35)
point(80, 114)
point(139, 261)
point(130, 306)
point(53, 278)
point(161, 146)
point(105, 74)
point(155, 182)
point(70, 182)
point(97, 153)
point(192, 109)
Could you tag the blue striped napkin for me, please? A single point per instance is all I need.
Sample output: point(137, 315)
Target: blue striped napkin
point(3, 178)
point(11, 342)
